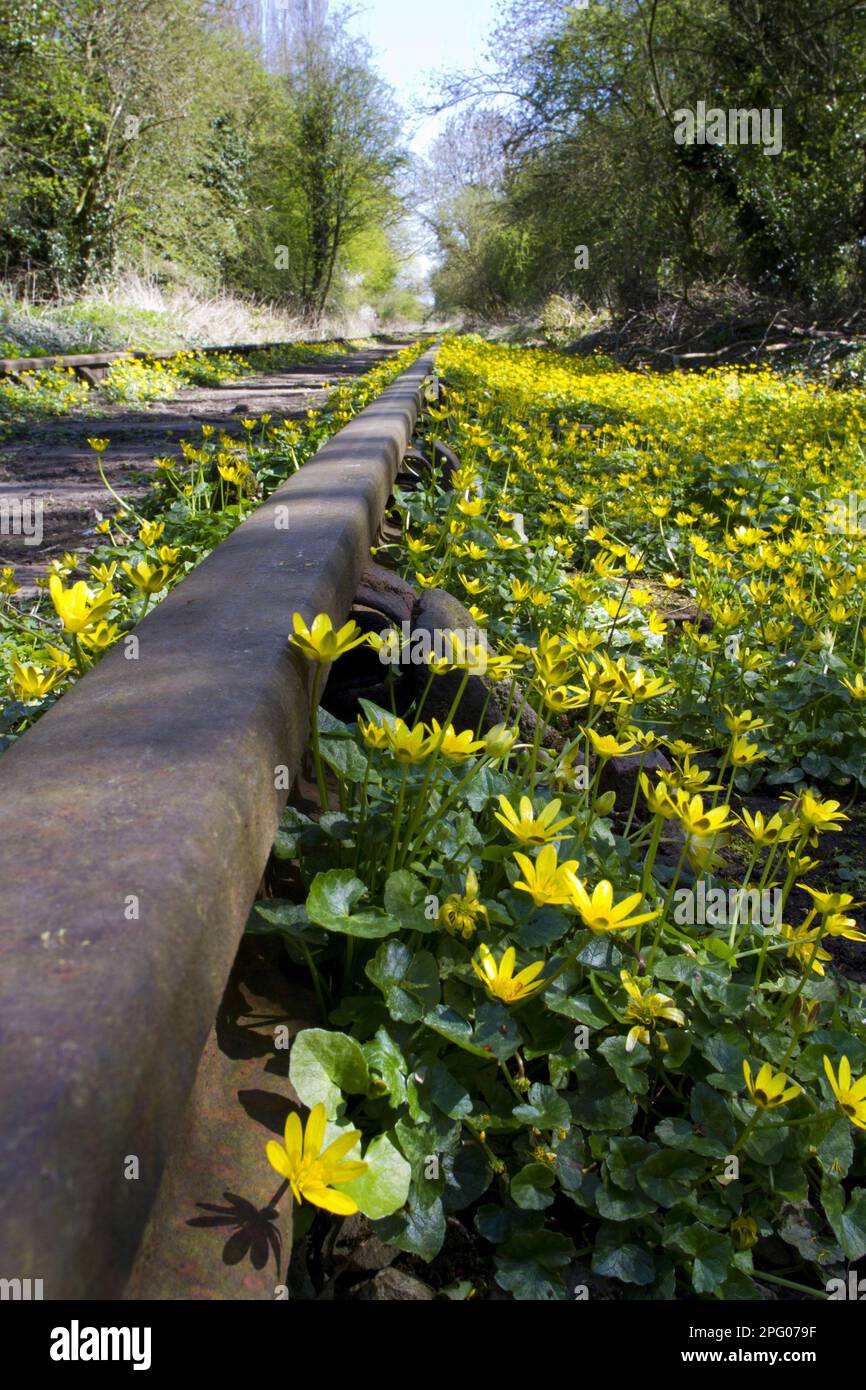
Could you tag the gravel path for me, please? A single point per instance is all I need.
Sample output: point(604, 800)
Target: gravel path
point(52, 463)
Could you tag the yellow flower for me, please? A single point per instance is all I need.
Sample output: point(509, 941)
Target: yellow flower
point(78, 608)
point(408, 745)
point(147, 578)
point(769, 1090)
point(374, 735)
point(658, 798)
point(850, 1096)
point(599, 912)
point(104, 635)
point(500, 980)
point(150, 531)
point(813, 814)
point(528, 828)
point(499, 741)
point(765, 832)
point(607, 746)
point(804, 947)
point(59, 658)
point(30, 683)
point(460, 912)
point(645, 1006)
point(699, 822)
point(104, 573)
point(452, 745)
point(743, 753)
point(312, 1171)
point(546, 880)
point(98, 444)
point(744, 1231)
point(857, 687)
point(322, 642)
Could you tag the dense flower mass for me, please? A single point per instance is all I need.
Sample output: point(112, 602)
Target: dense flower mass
point(571, 902)
point(609, 925)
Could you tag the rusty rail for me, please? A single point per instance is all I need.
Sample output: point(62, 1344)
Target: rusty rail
point(137, 817)
point(99, 362)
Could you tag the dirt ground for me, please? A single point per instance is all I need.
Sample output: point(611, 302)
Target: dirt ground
point(51, 461)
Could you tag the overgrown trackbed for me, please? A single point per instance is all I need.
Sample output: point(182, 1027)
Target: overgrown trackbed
point(51, 461)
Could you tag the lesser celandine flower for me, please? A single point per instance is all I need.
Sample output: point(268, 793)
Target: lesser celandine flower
point(850, 1095)
point(771, 831)
point(813, 814)
point(78, 607)
point(769, 1089)
point(454, 746)
point(321, 642)
point(698, 821)
point(529, 828)
point(374, 735)
point(461, 912)
point(857, 687)
point(312, 1171)
point(608, 746)
point(545, 879)
point(147, 578)
point(499, 741)
point(408, 745)
point(744, 1232)
point(30, 683)
point(599, 912)
point(500, 980)
point(646, 1006)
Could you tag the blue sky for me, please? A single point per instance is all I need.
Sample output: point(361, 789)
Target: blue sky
point(410, 40)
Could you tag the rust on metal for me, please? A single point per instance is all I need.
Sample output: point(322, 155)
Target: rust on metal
point(137, 817)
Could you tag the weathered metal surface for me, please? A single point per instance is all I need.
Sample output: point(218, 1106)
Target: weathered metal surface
point(221, 1226)
point(137, 817)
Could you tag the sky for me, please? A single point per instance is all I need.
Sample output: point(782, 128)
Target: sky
point(412, 38)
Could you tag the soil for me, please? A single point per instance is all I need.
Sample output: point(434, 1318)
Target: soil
point(51, 460)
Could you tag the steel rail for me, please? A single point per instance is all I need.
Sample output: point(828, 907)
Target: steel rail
point(138, 816)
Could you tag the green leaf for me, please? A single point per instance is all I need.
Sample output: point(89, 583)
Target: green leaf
point(668, 1175)
point(711, 1254)
point(527, 1281)
point(711, 1112)
point(625, 1156)
point(496, 1032)
point(385, 1057)
point(384, 1188)
point(467, 1176)
point(531, 1187)
point(345, 757)
point(451, 1025)
point(848, 1222)
point(417, 1230)
point(324, 1064)
point(615, 1204)
point(545, 1108)
point(333, 895)
point(409, 981)
point(628, 1066)
point(600, 1103)
point(446, 1093)
point(616, 1257)
point(404, 898)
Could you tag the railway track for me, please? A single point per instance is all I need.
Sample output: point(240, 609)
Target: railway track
point(139, 814)
point(50, 465)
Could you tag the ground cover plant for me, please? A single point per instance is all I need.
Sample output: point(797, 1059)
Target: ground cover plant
point(577, 991)
point(56, 390)
point(86, 605)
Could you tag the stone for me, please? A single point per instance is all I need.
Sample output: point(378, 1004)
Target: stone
point(392, 1285)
